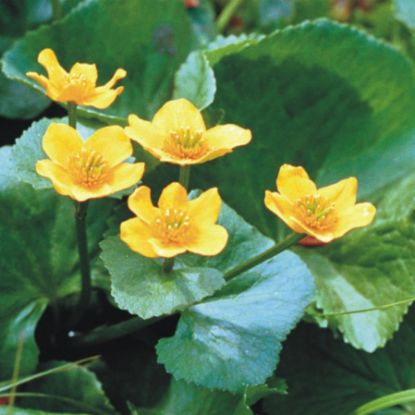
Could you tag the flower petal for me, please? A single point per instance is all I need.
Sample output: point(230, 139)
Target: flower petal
point(166, 251)
point(86, 71)
point(209, 240)
point(81, 193)
point(49, 61)
point(40, 79)
point(357, 216)
point(206, 208)
point(140, 203)
point(60, 142)
point(173, 196)
point(227, 136)
point(144, 133)
point(342, 193)
point(293, 182)
point(177, 114)
point(112, 143)
point(59, 177)
point(281, 207)
point(118, 74)
point(136, 235)
point(125, 175)
point(102, 98)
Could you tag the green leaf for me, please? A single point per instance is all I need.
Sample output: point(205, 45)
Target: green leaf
point(39, 260)
point(202, 18)
point(140, 286)
point(162, 39)
point(195, 79)
point(314, 101)
point(328, 374)
point(79, 387)
point(186, 398)
point(234, 339)
point(405, 12)
point(20, 411)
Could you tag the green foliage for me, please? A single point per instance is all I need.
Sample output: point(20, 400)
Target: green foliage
point(80, 389)
point(162, 37)
point(328, 375)
point(405, 12)
point(38, 264)
point(234, 339)
point(140, 286)
point(355, 118)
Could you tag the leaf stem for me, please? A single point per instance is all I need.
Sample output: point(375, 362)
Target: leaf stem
point(15, 376)
point(226, 15)
point(72, 114)
point(290, 240)
point(80, 219)
point(388, 401)
point(56, 9)
point(105, 334)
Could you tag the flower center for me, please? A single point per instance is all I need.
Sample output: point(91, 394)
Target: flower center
point(316, 211)
point(88, 168)
point(186, 144)
point(172, 225)
point(77, 83)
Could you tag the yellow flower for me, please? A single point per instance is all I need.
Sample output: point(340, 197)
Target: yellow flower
point(177, 225)
point(178, 135)
point(88, 169)
point(324, 214)
point(79, 85)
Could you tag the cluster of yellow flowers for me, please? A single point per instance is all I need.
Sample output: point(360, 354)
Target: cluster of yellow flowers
point(177, 134)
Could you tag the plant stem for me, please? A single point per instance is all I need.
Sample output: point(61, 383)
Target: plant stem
point(105, 334)
point(80, 219)
point(388, 401)
point(56, 9)
point(226, 15)
point(184, 176)
point(72, 114)
point(276, 249)
point(15, 376)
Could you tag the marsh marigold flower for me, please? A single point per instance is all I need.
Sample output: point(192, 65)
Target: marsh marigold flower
point(177, 134)
point(323, 214)
point(88, 169)
point(77, 86)
point(177, 225)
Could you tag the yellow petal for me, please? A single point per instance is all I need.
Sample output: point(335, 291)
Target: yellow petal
point(49, 61)
point(227, 136)
point(136, 235)
point(342, 193)
point(173, 196)
point(209, 240)
point(118, 74)
point(60, 142)
point(59, 177)
point(85, 71)
point(206, 208)
point(40, 79)
point(293, 182)
point(166, 251)
point(145, 133)
point(281, 207)
point(356, 216)
point(140, 203)
point(102, 98)
point(125, 175)
point(112, 143)
point(81, 193)
point(177, 114)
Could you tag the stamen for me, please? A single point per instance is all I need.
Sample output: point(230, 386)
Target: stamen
point(172, 225)
point(186, 144)
point(316, 211)
point(88, 168)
